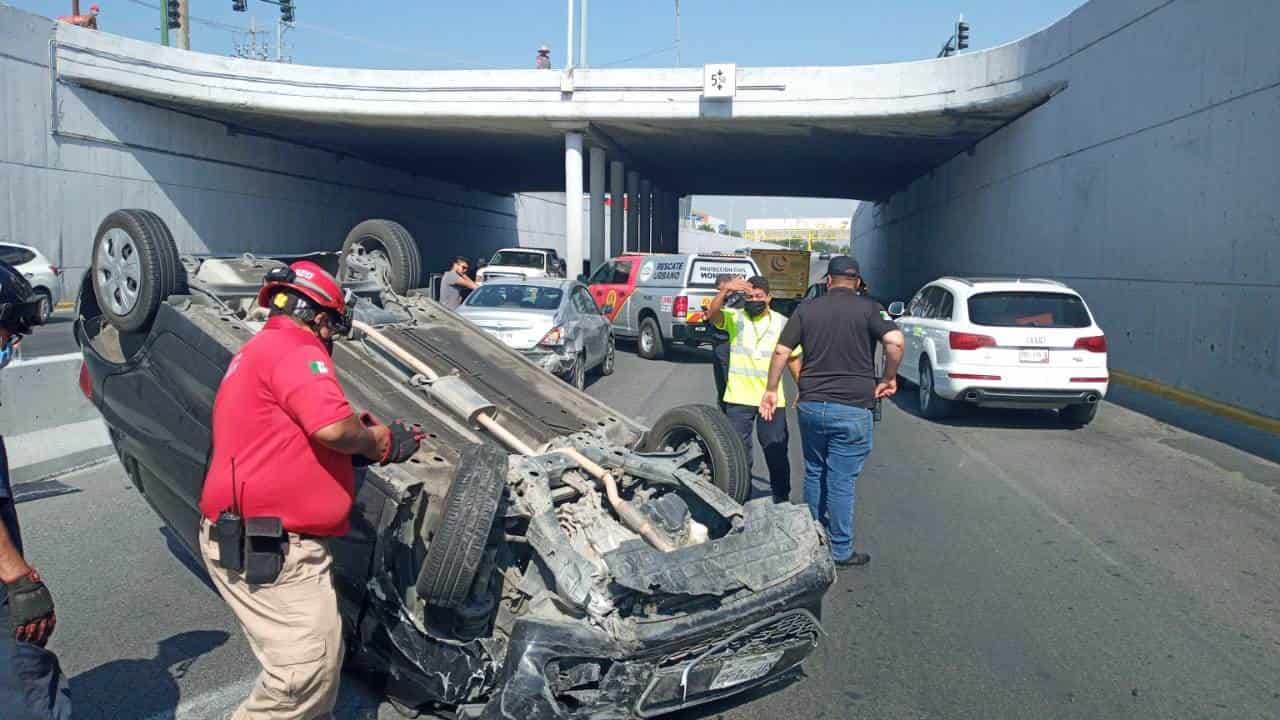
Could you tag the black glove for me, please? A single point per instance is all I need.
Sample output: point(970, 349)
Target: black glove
point(31, 617)
point(404, 442)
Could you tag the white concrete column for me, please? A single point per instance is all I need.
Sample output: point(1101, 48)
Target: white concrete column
point(599, 248)
point(573, 239)
point(644, 238)
point(617, 219)
point(632, 241)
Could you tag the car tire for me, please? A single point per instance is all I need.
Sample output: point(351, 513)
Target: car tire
point(578, 377)
point(932, 405)
point(390, 246)
point(134, 268)
point(650, 345)
point(720, 443)
point(1077, 416)
point(46, 305)
point(610, 358)
point(455, 550)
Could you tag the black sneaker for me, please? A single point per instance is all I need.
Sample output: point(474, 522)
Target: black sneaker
point(855, 560)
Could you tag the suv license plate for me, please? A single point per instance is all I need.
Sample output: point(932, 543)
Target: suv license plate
point(1033, 356)
point(740, 670)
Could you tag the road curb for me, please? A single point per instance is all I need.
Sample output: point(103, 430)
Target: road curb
point(41, 454)
point(1198, 401)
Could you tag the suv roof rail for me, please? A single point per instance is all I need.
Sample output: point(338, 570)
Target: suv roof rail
point(1043, 280)
point(966, 281)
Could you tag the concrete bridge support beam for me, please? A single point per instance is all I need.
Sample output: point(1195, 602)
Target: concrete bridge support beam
point(599, 247)
point(644, 236)
point(631, 241)
point(617, 203)
point(573, 235)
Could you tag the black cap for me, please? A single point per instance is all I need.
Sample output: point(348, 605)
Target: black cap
point(844, 266)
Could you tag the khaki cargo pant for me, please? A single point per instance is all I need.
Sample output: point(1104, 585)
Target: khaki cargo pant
point(293, 628)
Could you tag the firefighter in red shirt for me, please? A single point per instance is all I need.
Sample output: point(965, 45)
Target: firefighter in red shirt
point(280, 483)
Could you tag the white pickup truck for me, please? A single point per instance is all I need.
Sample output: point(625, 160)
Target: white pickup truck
point(521, 264)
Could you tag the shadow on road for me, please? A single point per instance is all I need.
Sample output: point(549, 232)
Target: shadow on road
point(142, 688)
point(183, 555)
point(676, 353)
point(908, 400)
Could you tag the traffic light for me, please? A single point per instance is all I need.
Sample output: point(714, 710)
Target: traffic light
point(286, 10)
point(172, 16)
point(962, 35)
point(239, 5)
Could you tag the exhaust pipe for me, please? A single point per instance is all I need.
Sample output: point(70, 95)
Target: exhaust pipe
point(1092, 398)
point(971, 396)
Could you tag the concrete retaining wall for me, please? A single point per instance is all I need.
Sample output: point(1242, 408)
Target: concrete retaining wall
point(1149, 185)
point(220, 192)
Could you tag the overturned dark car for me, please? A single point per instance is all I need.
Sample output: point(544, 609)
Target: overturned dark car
point(541, 557)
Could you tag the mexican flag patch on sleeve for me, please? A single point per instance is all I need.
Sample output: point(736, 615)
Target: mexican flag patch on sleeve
point(318, 367)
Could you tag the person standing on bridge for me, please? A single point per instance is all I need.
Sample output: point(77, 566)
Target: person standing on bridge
point(456, 284)
point(280, 483)
point(753, 333)
point(32, 686)
point(838, 390)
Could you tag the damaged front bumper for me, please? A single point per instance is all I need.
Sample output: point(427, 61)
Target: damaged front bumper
point(653, 662)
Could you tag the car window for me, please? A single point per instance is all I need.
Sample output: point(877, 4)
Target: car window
point(947, 306)
point(584, 302)
point(16, 255)
point(1028, 309)
point(603, 274)
point(929, 302)
point(518, 258)
point(621, 272)
point(510, 297)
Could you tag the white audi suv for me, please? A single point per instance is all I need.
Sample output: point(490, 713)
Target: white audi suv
point(1001, 342)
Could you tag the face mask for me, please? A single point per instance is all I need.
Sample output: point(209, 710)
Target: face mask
point(755, 307)
point(7, 352)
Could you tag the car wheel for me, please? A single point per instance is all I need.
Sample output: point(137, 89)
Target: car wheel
point(135, 267)
point(932, 405)
point(723, 460)
point(578, 378)
point(610, 357)
point(390, 249)
point(455, 549)
point(1078, 415)
point(650, 345)
point(46, 305)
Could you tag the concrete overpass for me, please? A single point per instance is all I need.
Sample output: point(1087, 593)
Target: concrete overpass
point(836, 131)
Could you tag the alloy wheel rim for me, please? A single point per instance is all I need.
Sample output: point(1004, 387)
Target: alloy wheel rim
point(646, 341)
point(119, 271)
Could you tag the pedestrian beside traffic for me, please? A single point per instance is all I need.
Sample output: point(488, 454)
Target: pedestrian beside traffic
point(543, 60)
point(754, 331)
point(456, 284)
point(280, 483)
point(32, 686)
point(838, 389)
point(720, 346)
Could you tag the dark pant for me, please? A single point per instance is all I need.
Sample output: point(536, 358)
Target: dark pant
point(720, 364)
point(773, 438)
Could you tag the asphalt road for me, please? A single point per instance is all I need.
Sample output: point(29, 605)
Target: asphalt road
point(1126, 570)
point(53, 338)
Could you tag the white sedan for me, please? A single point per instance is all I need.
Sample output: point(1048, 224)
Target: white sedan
point(36, 268)
point(1009, 343)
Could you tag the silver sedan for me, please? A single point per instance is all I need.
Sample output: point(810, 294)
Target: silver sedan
point(553, 322)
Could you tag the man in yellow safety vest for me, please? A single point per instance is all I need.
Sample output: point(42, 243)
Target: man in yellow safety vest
point(753, 333)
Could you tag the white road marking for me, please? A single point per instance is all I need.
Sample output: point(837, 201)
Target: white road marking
point(212, 705)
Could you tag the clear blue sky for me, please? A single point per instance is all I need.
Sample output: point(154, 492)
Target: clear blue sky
point(635, 33)
point(505, 33)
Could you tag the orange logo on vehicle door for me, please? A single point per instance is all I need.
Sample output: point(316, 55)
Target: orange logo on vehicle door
point(613, 303)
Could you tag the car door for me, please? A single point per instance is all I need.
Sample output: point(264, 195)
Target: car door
point(612, 287)
point(939, 324)
point(594, 325)
point(908, 324)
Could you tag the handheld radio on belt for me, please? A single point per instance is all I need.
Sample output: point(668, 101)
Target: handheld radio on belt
point(254, 546)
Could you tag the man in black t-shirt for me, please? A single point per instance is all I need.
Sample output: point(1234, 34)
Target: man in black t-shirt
point(838, 388)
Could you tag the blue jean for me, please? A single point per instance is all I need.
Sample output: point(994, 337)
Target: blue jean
point(836, 439)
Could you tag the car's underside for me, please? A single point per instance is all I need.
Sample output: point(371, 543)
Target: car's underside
point(569, 563)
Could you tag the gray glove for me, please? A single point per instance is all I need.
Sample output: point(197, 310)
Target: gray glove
point(31, 617)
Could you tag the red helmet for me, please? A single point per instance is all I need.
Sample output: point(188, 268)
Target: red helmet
point(312, 281)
